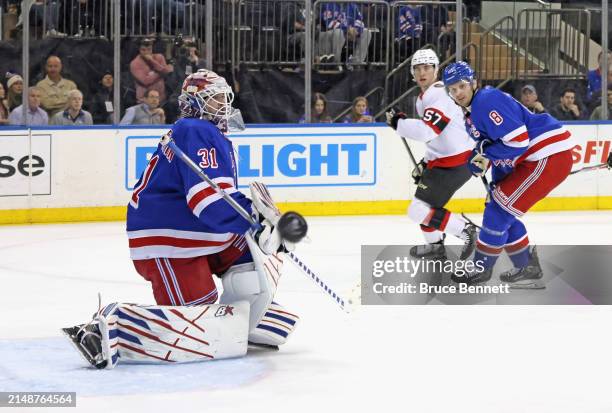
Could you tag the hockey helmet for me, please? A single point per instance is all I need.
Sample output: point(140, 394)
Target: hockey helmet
point(456, 72)
point(206, 95)
point(424, 57)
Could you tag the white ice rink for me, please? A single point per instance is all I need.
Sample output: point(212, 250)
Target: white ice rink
point(446, 359)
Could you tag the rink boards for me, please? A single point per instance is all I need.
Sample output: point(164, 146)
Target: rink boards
point(72, 174)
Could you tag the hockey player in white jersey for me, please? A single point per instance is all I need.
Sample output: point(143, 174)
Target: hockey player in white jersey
point(443, 170)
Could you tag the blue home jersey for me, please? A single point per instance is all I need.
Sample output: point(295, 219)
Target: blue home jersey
point(516, 134)
point(172, 212)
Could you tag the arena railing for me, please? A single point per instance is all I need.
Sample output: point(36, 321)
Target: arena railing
point(552, 43)
point(418, 23)
point(94, 18)
point(367, 44)
point(496, 53)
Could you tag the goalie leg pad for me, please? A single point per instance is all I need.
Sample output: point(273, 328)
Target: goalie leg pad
point(171, 334)
point(256, 283)
point(275, 326)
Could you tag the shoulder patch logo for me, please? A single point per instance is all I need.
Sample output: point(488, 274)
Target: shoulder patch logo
point(496, 118)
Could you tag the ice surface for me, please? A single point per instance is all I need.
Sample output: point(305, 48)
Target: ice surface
point(376, 359)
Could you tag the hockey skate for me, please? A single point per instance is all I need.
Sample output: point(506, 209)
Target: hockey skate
point(527, 277)
point(88, 341)
point(469, 235)
point(473, 277)
point(435, 251)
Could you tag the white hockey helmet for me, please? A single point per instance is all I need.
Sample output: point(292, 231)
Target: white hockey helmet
point(424, 57)
point(206, 95)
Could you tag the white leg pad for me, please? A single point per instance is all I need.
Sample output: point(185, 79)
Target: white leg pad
point(275, 326)
point(169, 334)
point(256, 283)
point(243, 282)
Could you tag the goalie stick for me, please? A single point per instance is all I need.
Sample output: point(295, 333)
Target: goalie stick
point(167, 141)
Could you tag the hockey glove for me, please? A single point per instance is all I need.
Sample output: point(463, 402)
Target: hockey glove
point(478, 162)
point(393, 117)
point(417, 172)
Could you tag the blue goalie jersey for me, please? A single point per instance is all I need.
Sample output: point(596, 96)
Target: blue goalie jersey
point(517, 135)
point(174, 214)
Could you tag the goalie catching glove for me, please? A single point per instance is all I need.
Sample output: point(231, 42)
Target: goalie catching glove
point(278, 232)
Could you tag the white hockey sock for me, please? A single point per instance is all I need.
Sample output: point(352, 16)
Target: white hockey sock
point(432, 237)
point(455, 225)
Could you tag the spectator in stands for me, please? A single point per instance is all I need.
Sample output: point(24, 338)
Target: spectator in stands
point(14, 96)
point(44, 11)
point(74, 114)
point(342, 24)
point(10, 18)
point(529, 98)
point(170, 15)
point(568, 108)
point(148, 70)
point(293, 24)
point(473, 9)
point(408, 31)
point(4, 110)
point(188, 58)
point(434, 18)
point(146, 113)
point(319, 110)
point(54, 87)
point(102, 101)
point(359, 112)
point(594, 78)
point(35, 115)
point(87, 18)
point(598, 112)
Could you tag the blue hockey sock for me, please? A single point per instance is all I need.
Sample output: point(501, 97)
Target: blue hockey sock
point(517, 244)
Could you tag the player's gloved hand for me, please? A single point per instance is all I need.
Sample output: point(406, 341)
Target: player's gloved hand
point(270, 240)
point(417, 172)
point(393, 116)
point(478, 162)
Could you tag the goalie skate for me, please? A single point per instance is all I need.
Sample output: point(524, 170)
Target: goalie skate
point(88, 341)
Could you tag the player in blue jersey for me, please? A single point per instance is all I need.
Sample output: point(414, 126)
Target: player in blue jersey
point(530, 155)
point(180, 230)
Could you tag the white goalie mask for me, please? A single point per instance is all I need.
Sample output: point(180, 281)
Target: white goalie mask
point(206, 95)
point(425, 57)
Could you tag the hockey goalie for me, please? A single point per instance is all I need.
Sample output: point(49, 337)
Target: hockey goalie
point(181, 233)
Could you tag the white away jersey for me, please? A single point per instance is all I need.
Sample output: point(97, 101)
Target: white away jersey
point(441, 127)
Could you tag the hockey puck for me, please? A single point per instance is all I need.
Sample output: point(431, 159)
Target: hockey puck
point(292, 227)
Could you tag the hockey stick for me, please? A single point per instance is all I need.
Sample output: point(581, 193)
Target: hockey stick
point(412, 158)
point(608, 165)
point(167, 141)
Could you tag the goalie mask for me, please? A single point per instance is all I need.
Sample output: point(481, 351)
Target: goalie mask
point(206, 95)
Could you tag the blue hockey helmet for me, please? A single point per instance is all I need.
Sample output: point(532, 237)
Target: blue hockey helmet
point(457, 72)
